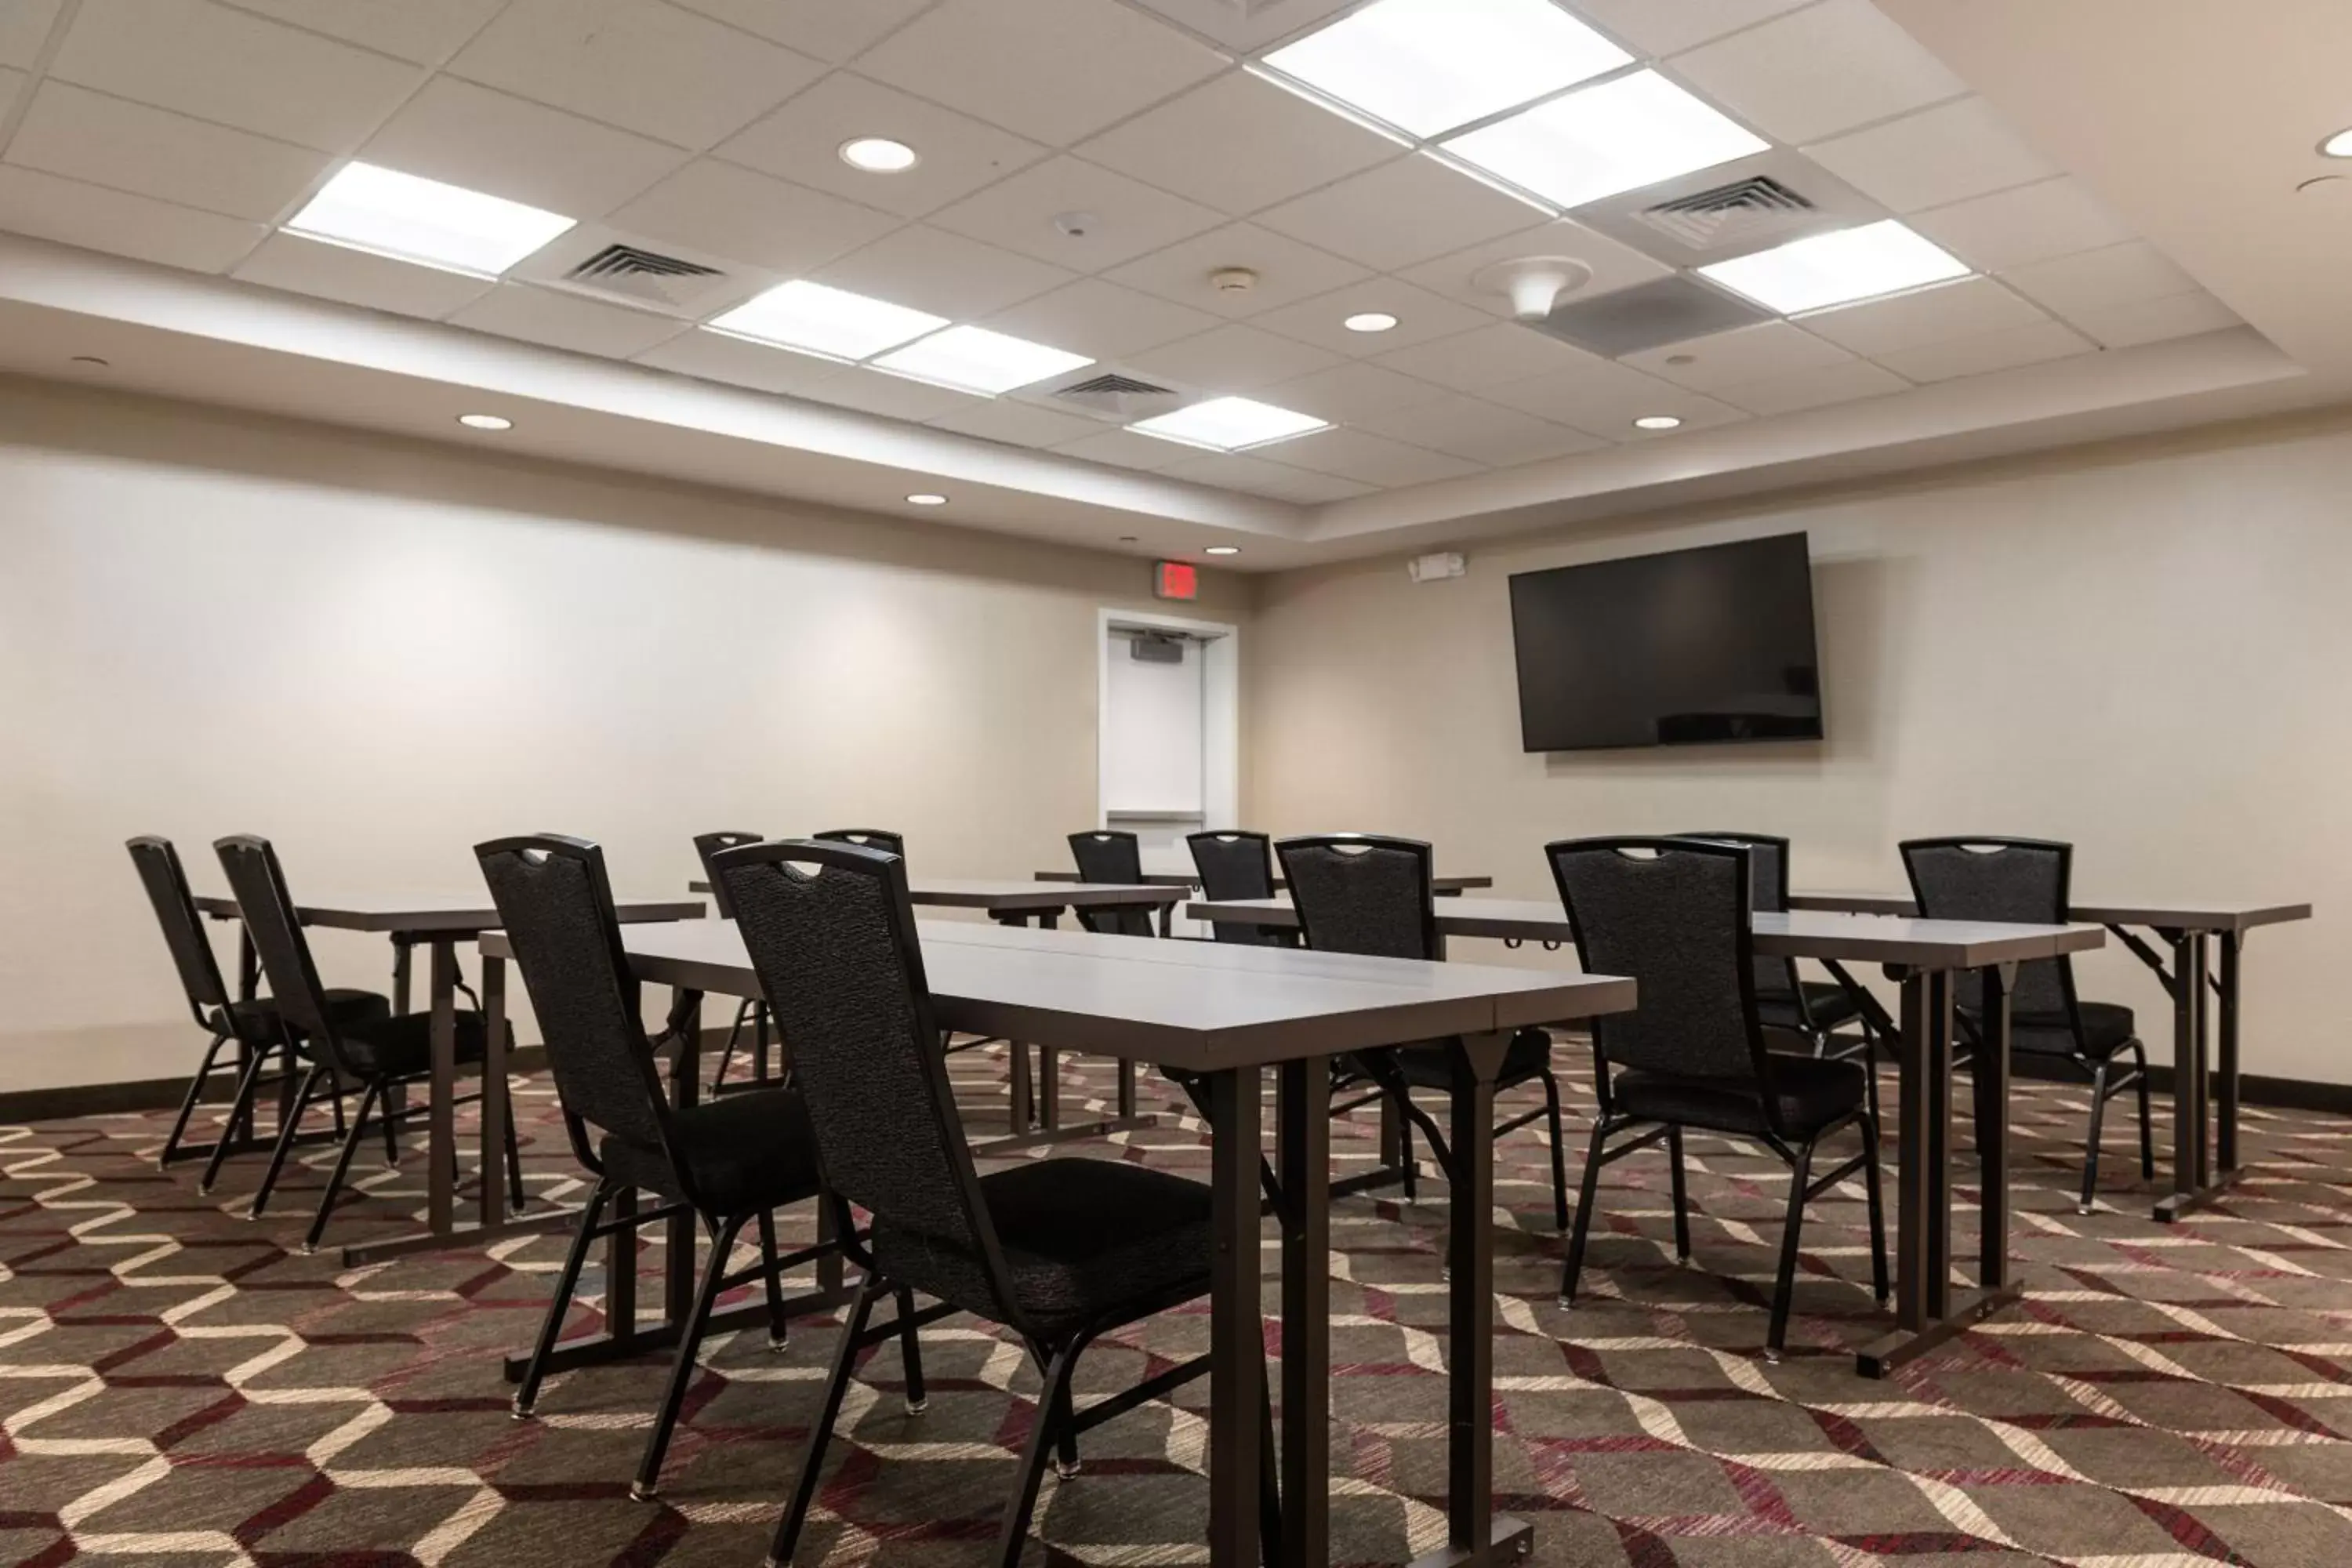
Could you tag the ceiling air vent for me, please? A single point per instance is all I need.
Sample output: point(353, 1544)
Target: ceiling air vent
point(1713, 215)
point(1757, 208)
point(1670, 310)
point(646, 276)
point(1112, 395)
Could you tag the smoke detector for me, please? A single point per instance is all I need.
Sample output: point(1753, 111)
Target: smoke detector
point(1534, 283)
point(1233, 280)
point(1076, 225)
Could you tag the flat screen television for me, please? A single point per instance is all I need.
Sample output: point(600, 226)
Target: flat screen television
point(1684, 648)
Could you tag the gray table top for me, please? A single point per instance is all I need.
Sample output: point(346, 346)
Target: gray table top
point(989, 893)
point(2168, 914)
point(1863, 939)
point(1192, 880)
point(1202, 1005)
point(434, 913)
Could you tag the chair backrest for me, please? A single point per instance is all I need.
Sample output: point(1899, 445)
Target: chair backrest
point(831, 933)
point(2024, 881)
point(1768, 868)
point(554, 899)
point(1357, 892)
point(880, 838)
point(257, 882)
point(1108, 855)
point(166, 882)
point(1235, 865)
point(706, 845)
point(1673, 914)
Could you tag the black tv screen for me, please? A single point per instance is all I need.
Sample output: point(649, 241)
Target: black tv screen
point(1684, 648)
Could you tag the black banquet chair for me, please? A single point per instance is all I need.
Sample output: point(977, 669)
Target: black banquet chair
point(880, 838)
point(1234, 866)
point(1109, 855)
point(1059, 1251)
point(1360, 893)
point(376, 1056)
point(1674, 914)
point(729, 1162)
point(2030, 880)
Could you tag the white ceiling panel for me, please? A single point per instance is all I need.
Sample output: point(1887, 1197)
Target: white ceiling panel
point(462, 134)
point(104, 140)
point(1233, 359)
point(1602, 398)
point(1967, 308)
point(1957, 357)
point(357, 277)
point(1264, 477)
point(1019, 423)
point(1934, 158)
point(1092, 317)
point(829, 29)
point(1409, 210)
point(1125, 449)
point(70, 213)
point(2027, 224)
point(1122, 219)
point(1482, 432)
point(562, 320)
point(1353, 393)
point(1053, 70)
point(1669, 27)
point(1489, 356)
point(1421, 317)
point(1614, 266)
point(1247, 28)
point(1847, 383)
point(802, 140)
point(891, 397)
point(715, 356)
point(2119, 274)
point(24, 28)
point(638, 64)
point(1750, 353)
point(1286, 271)
point(425, 31)
point(232, 68)
point(1371, 459)
point(946, 274)
point(1820, 70)
point(2146, 320)
point(1238, 142)
point(729, 211)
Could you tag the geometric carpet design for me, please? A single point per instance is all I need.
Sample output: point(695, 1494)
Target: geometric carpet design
point(181, 1386)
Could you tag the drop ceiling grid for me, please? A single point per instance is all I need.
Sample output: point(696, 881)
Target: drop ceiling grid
point(1005, 287)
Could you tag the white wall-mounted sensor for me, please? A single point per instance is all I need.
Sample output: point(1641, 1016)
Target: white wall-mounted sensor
point(1438, 567)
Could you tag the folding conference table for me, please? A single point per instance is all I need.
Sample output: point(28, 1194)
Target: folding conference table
point(1225, 1011)
point(1924, 955)
point(2204, 1077)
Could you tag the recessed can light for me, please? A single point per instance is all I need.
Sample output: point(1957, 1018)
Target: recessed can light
point(485, 421)
point(1222, 550)
point(925, 498)
point(1370, 322)
point(879, 155)
point(1657, 422)
point(2337, 146)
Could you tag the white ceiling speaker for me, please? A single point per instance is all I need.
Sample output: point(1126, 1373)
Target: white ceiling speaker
point(1534, 283)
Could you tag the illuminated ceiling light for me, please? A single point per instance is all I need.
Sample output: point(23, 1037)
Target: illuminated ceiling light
point(1229, 424)
point(1370, 322)
point(425, 221)
point(1657, 422)
point(1837, 268)
point(879, 155)
point(1428, 66)
point(2339, 145)
point(485, 421)
point(925, 498)
point(973, 359)
point(830, 321)
point(1222, 550)
point(1619, 136)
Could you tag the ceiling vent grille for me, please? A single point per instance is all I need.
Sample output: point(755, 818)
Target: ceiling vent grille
point(646, 276)
point(1745, 209)
point(1118, 396)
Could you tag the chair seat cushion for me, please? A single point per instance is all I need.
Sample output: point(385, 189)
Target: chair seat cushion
point(2107, 1028)
point(1083, 1240)
point(1828, 1003)
point(401, 1044)
point(257, 1020)
point(744, 1153)
point(1432, 1066)
point(1812, 1094)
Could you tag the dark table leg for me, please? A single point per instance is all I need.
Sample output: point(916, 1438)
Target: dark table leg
point(441, 1111)
point(686, 1087)
point(490, 1206)
point(1236, 1335)
point(2195, 1183)
point(2225, 1085)
point(1992, 1075)
point(1302, 1124)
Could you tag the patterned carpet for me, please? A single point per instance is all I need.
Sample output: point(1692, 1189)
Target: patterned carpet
point(178, 1386)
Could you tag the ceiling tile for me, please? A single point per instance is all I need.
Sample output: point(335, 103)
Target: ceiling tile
point(891, 397)
point(562, 320)
point(70, 213)
point(2119, 274)
point(1261, 477)
point(1353, 393)
point(25, 28)
point(1421, 317)
point(1488, 357)
point(1847, 383)
point(232, 68)
point(425, 31)
point(1053, 70)
point(2004, 350)
point(357, 277)
point(1371, 459)
point(1603, 398)
point(1019, 423)
point(1749, 354)
point(1406, 211)
point(1124, 217)
point(2029, 223)
point(2142, 320)
point(1125, 449)
point(945, 274)
point(1614, 266)
point(85, 135)
point(1669, 27)
point(638, 64)
point(802, 142)
point(467, 135)
point(715, 356)
point(729, 211)
point(1482, 432)
point(1815, 73)
point(1286, 271)
point(1934, 158)
point(829, 29)
point(1965, 308)
point(1233, 359)
point(1247, 28)
point(1238, 142)
point(1092, 317)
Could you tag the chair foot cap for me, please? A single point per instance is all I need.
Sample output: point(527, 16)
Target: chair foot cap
point(309, 1249)
point(1771, 1355)
point(2086, 1208)
point(1068, 1471)
point(640, 1492)
point(778, 1344)
point(1567, 1303)
point(916, 1406)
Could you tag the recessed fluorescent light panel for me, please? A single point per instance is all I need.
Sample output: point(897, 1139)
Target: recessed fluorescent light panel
point(425, 221)
point(1619, 136)
point(1428, 66)
point(973, 359)
point(1837, 268)
point(1229, 424)
point(834, 322)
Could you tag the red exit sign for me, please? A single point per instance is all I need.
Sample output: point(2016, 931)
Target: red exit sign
point(1175, 580)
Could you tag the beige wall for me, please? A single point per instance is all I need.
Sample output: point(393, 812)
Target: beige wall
point(2147, 652)
point(380, 652)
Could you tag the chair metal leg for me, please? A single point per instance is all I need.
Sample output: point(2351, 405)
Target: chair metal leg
point(1558, 1152)
point(2146, 1129)
point(910, 1354)
point(551, 1328)
point(779, 1326)
point(396, 1098)
point(343, 1168)
point(1873, 1189)
point(285, 1143)
point(1014, 1533)
point(1066, 1436)
point(1583, 1225)
point(727, 1052)
point(1409, 1169)
point(516, 1196)
point(1682, 1195)
point(239, 1108)
point(681, 1372)
point(2091, 1151)
point(188, 1105)
point(844, 1358)
point(1784, 1285)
